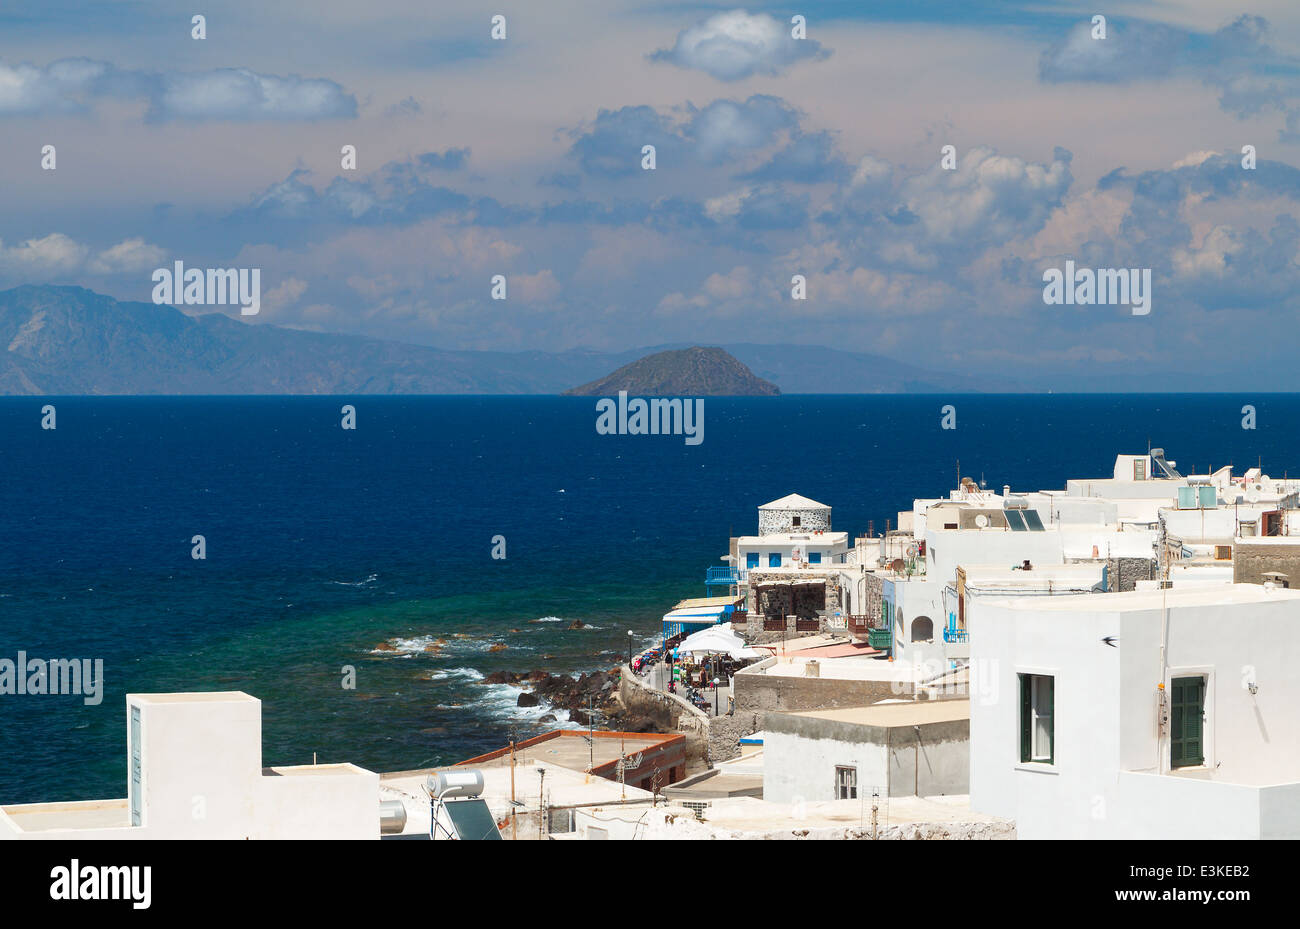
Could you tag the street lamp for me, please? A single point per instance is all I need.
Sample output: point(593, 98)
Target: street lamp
point(715, 697)
point(629, 647)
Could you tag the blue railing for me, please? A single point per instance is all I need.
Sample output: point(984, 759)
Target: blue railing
point(956, 635)
point(723, 576)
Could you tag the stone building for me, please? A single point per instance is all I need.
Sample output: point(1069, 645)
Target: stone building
point(793, 513)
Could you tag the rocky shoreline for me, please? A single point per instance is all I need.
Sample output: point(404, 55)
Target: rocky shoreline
point(591, 694)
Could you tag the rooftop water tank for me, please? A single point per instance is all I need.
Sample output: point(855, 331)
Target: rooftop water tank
point(446, 784)
point(392, 817)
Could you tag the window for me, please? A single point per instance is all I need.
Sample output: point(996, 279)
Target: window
point(846, 782)
point(795, 521)
point(1036, 702)
point(751, 559)
point(1223, 553)
point(1139, 469)
point(814, 557)
point(1187, 722)
point(774, 559)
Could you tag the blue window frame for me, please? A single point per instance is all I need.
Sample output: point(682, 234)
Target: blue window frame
point(774, 560)
point(814, 557)
point(751, 559)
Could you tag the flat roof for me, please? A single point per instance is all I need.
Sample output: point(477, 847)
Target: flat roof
point(792, 538)
point(849, 669)
point(564, 787)
point(1217, 595)
point(215, 696)
point(699, 602)
point(315, 770)
point(1000, 568)
point(887, 715)
point(743, 816)
point(569, 748)
point(76, 814)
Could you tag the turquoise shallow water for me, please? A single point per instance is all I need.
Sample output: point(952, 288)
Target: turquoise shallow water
point(323, 543)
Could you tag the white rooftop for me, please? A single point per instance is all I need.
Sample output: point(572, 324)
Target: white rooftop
point(794, 502)
point(1132, 601)
point(790, 538)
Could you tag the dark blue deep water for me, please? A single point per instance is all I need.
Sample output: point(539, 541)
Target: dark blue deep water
point(324, 543)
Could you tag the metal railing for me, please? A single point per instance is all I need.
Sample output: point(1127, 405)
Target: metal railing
point(719, 575)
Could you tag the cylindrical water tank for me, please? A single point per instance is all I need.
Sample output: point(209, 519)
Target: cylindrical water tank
point(455, 783)
point(392, 817)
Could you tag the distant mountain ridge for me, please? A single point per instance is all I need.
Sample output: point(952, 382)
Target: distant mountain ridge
point(688, 372)
point(69, 340)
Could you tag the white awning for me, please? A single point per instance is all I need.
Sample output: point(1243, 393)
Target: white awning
point(698, 614)
point(717, 640)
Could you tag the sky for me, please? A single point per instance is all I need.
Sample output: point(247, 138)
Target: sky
point(819, 156)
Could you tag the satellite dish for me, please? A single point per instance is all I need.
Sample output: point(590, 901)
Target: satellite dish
point(981, 520)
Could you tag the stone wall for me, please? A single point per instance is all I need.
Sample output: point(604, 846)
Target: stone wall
point(677, 823)
point(1251, 560)
point(771, 522)
point(758, 694)
point(670, 711)
point(1123, 573)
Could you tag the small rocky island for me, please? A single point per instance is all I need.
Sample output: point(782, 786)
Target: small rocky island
point(686, 372)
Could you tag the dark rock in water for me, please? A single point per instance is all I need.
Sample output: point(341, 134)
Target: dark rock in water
point(538, 676)
point(577, 624)
point(527, 699)
point(501, 677)
point(579, 717)
point(595, 683)
point(548, 718)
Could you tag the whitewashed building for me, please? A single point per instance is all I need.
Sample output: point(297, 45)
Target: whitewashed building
point(1148, 714)
point(895, 748)
point(194, 771)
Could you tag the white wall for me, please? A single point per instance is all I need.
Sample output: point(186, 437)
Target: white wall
point(1105, 717)
point(797, 768)
point(203, 779)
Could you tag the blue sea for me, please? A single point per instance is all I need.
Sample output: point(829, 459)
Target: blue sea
point(372, 547)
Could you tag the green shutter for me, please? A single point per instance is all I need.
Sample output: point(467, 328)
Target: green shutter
point(1051, 720)
point(1026, 717)
point(1187, 722)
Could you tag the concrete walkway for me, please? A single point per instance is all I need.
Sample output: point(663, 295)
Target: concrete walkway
point(657, 678)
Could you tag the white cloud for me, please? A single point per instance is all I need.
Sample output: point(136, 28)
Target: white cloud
point(235, 94)
point(736, 45)
point(129, 255)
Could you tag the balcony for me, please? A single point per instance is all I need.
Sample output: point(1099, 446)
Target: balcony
point(774, 624)
point(807, 625)
point(739, 617)
point(858, 625)
point(956, 643)
point(723, 576)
